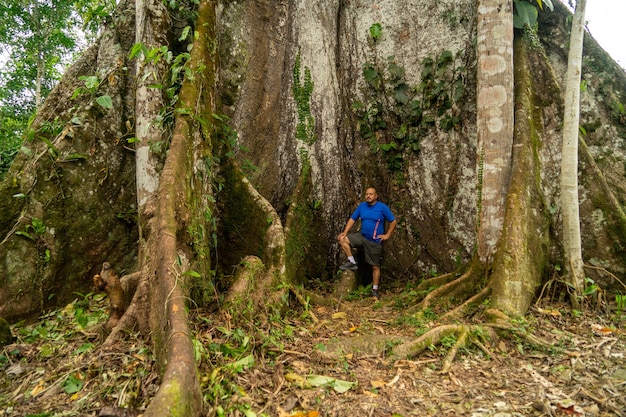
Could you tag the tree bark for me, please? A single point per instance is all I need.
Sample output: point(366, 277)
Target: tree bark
point(151, 22)
point(494, 118)
point(166, 253)
point(572, 247)
point(522, 255)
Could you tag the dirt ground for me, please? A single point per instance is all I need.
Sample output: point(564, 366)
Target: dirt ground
point(325, 361)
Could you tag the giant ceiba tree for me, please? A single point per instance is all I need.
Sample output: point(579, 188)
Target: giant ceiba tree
point(191, 140)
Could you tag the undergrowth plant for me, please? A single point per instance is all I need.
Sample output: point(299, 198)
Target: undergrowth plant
point(620, 302)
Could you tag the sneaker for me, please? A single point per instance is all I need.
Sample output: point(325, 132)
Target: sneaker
point(349, 266)
point(375, 294)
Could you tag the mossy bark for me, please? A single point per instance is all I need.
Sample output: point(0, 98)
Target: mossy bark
point(520, 261)
point(75, 178)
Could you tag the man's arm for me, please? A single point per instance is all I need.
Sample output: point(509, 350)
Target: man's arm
point(389, 232)
point(346, 229)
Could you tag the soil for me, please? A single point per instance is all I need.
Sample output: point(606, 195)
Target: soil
point(323, 361)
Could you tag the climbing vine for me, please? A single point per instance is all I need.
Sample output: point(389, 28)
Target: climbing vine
point(302, 90)
point(394, 115)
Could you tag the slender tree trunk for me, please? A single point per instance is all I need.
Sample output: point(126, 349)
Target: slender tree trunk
point(151, 20)
point(40, 56)
point(494, 118)
point(569, 163)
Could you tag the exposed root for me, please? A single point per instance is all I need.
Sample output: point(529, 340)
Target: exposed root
point(460, 342)
point(459, 286)
point(129, 284)
point(466, 335)
point(432, 337)
point(438, 281)
point(108, 281)
point(468, 306)
point(529, 337)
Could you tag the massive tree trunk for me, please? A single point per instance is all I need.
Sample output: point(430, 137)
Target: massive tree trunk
point(291, 80)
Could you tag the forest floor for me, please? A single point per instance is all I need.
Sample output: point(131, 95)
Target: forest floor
point(324, 361)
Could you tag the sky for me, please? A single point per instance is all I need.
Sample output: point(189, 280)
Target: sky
point(606, 21)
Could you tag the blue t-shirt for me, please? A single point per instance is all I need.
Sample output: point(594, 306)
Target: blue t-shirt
point(373, 219)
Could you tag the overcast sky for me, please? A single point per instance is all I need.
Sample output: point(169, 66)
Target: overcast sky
point(606, 21)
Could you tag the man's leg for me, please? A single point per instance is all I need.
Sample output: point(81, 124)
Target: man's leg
point(346, 246)
point(375, 276)
point(375, 280)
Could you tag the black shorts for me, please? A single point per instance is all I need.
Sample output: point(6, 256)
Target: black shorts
point(373, 251)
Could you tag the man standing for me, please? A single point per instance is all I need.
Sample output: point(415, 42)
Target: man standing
point(373, 214)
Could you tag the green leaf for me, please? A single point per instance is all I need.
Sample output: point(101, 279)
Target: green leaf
point(137, 49)
point(185, 33)
point(241, 364)
point(105, 101)
point(46, 351)
point(337, 384)
point(319, 380)
point(357, 105)
point(342, 386)
point(525, 15)
point(371, 75)
point(72, 384)
point(85, 347)
point(395, 71)
point(91, 81)
point(400, 93)
point(25, 234)
point(376, 31)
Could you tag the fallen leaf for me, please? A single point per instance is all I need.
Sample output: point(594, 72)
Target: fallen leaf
point(38, 388)
point(296, 379)
point(502, 346)
point(340, 315)
point(378, 383)
point(601, 330)
point(570, 410)
point(394, 380)
point(337, 384)
point(282, 412)
point(549, 312)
